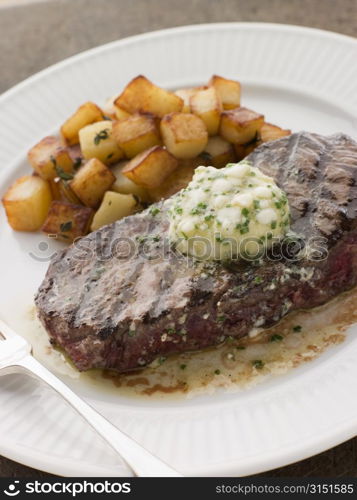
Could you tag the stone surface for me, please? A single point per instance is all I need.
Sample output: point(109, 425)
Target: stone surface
point(35, 35)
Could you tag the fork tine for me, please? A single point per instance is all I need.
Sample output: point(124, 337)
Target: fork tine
point(6, 332)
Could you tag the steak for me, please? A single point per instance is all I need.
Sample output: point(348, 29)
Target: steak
point(122, 297)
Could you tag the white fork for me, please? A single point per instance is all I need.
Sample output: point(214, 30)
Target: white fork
point(15, 355)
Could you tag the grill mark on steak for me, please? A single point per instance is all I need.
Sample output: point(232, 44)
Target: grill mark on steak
point(111, 312)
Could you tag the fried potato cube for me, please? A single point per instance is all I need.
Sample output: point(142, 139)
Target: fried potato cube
point(186, 95)
point(91, 182)
point(240, 125)
point(120, 114)
point(67, 221)
point(178, 180)
point(109, 107)
point(219, 151)
point(113, 111)
point(114, 206)
point(124, 185)
point(141, 95)
point(243, 150)
point(76, 155)
point(62, 191)
point(228, 91)
point(48, 156)
point(85, 115)
point(207, 105)
point(270, 132)
point(150, 168)
point(97, 141)
point(184, 134)
point(136, 133)
point(26, 203)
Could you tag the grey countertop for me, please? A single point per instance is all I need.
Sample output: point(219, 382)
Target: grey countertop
point(35, 35)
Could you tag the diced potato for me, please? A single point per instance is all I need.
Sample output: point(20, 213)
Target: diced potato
point(178, 180)
point(85, 115)
point(121, 114)
point(67, 221)
point(150, 168)
point(184, 134)
point(240, 125)
point(124, 185)
point(243, 150)
point(228, 91)
point(270, 132)
point(141, 95)
point(62, 191)
point(49, 156)
point(54, 186)
point(27, 202)
point(186, 95)
point(114, 206)
point(91, 182)
point(109, 107)
point(97, 141)
point(76, 155)
point(113, 111)
point(136, 133)
point(220, 152)
point(207, 105)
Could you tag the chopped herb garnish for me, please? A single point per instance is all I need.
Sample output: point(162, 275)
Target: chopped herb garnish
point(66, 226)
point(244, 230)
point(154, 211)
point(110, 156)
point(170, 331)
point(131, 333)
point(209, 217)
point(103, 134)
point(276, 338)
point(256, 204)
point(258, 279)
point(156, 238)
point(221, 318)
point(178, 210)
point(297, 328)
point(161, 360)
point(245, 212)
point(273, 224)
point(217, 372)
point(65, 176)
point(183, 367)
point(240, 347)
point(258, 364)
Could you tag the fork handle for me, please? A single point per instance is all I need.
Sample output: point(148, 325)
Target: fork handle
point(138, 458)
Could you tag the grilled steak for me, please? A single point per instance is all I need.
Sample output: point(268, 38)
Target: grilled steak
point(122, 297)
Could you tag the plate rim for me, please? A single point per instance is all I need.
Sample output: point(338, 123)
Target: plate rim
point(227, 467)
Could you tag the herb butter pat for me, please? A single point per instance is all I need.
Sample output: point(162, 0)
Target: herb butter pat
point(228, 213)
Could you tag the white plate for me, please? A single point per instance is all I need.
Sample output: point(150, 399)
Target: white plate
point(301, 79)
